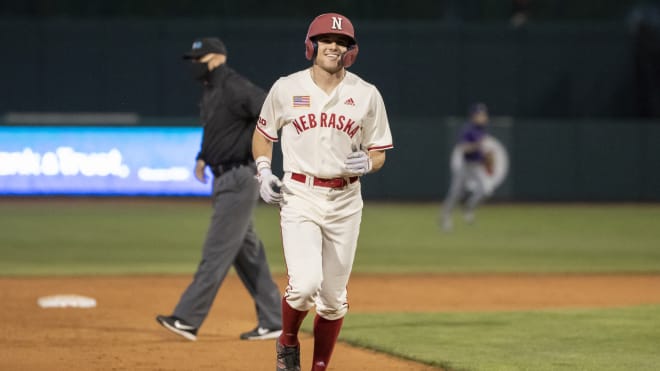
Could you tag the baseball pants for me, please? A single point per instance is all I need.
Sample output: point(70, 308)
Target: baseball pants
point(320, 228)
point(232, 240)
point(468, 173)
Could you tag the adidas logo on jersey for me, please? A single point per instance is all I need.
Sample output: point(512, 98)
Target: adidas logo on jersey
point(349, 102)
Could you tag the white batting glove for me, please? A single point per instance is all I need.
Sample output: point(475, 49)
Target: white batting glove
point(270, 186)
point(358, 163)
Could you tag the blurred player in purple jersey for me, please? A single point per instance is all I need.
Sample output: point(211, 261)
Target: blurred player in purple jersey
point(472, 174)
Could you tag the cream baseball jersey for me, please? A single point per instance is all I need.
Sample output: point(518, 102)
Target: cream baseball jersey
point(318, 130)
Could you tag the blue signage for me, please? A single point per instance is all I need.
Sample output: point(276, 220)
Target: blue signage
point(99, 161)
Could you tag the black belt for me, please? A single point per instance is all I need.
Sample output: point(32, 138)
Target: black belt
point(221, 169)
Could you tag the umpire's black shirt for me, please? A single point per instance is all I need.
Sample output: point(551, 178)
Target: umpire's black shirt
point(229, 109)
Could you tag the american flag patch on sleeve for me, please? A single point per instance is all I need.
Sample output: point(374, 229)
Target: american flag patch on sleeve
point(301, 101)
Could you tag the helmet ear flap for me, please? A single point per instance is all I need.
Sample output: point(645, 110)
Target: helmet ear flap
point(311, 48)
point(349, 57)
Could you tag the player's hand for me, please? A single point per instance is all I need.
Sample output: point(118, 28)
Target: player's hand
point(358, 163)
point(200, 174)
point(271, 186)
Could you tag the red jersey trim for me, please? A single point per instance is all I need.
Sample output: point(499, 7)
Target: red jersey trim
point(266, 135)
point(377, 148)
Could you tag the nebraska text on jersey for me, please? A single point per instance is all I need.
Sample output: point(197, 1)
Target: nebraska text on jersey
point(325, 120)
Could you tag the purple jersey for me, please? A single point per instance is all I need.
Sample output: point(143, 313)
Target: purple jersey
point(473, 133)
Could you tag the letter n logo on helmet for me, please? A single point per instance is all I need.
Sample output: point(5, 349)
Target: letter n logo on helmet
point(331, 23)
point(336, 23)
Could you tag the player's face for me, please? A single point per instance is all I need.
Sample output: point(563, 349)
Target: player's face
point(480, 118)
point(331, 48)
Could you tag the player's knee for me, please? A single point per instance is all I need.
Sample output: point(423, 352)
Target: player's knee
point(301, 297)
point(310, 289)
point(332, 313)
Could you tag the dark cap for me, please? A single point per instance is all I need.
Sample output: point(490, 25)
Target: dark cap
point(477, 107)
point(204, 46)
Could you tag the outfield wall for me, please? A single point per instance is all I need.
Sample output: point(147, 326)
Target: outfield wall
point(579, 76)
point(550, 160)
point(427, 68)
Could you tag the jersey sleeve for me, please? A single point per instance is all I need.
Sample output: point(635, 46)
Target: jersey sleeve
point(270, 118)
point(377, 135)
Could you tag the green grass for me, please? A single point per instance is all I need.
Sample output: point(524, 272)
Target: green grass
point(43, 236)
point(598, 340)
point(79, 236)
point(519, 238)
point(82, 237)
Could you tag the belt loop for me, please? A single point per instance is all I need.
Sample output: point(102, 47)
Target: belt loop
point(309, 181)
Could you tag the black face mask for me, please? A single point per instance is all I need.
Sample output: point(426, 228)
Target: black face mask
point(199, 71)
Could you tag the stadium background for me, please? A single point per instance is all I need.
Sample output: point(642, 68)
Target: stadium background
point(574, 94)
point(571, 86)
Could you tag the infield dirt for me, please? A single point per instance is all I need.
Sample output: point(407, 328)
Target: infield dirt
point(122, 334)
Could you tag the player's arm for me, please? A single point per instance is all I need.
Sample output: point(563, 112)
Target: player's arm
point(261, 146)
point(470, 147)
point(377, 160)
point(265, 133)
point(262, 150)
point(377, 138)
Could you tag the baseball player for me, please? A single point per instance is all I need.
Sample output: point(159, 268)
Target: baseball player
point(472, 173)
point(334, 129)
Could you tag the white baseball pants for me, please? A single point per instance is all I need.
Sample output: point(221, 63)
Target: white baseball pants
point(320, 228)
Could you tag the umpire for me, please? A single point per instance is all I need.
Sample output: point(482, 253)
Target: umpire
point(229, 107)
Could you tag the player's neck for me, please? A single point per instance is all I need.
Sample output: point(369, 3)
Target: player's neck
point(325, 80)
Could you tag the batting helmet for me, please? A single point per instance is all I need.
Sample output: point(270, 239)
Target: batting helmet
point(331, 23)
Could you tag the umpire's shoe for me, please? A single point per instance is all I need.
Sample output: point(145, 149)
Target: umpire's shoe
point(288, 358)
point(261, 333)
point(178, 326)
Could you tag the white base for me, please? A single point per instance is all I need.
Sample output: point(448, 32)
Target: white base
point(66, 301)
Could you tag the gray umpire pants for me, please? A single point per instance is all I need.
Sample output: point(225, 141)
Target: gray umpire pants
point(232, 240)
point(468, 173)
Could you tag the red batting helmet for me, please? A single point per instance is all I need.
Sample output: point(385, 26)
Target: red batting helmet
point(331, 23)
